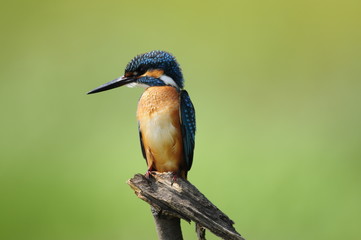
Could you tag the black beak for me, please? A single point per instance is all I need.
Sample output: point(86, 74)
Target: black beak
point(113, 84)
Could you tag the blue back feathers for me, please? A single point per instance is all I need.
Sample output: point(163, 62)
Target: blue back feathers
point(188, 125)
point(157, 60)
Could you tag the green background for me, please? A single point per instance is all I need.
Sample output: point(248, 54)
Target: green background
point(277, 90)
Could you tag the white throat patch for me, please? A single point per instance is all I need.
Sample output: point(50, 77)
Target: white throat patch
point(135, 84)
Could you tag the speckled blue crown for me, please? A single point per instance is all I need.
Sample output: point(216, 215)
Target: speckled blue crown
point(157, 60)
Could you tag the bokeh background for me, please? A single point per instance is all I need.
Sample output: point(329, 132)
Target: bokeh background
point(276, 86)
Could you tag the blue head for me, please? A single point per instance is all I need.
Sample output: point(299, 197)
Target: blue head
point(155, 68)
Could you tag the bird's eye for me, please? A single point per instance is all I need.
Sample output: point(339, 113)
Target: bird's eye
point(139, 72)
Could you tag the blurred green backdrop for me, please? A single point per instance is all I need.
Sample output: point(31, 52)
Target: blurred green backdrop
point(276, 86)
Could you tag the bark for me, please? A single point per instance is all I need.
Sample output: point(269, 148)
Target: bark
point(172, 200)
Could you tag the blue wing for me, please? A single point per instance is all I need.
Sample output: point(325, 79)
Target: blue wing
point(188, 125)
point(141, 143)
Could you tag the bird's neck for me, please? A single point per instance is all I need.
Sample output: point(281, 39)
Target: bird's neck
point(155, 99)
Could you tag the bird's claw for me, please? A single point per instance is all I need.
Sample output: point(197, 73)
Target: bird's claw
point(148, 174)
point(174, 178)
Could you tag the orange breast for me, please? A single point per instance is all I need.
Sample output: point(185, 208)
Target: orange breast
point(159, 123)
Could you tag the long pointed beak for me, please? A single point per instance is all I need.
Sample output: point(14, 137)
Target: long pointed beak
point(113, 84)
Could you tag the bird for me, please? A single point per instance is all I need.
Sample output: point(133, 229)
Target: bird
point(165, 112)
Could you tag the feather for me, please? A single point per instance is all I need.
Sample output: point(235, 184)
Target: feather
point(188, 126)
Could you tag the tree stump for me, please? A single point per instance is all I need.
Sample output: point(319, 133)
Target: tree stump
point(172, 200)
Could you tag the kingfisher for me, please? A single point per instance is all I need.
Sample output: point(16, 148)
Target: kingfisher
point(165, 114)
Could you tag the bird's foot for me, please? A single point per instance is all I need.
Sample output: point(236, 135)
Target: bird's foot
point(176, 175)
point(147, 174)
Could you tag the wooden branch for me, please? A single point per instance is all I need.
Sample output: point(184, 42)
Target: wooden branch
point(180, 199)
point(168, 227)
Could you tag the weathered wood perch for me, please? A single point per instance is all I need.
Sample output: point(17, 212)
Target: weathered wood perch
point(180, 199)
